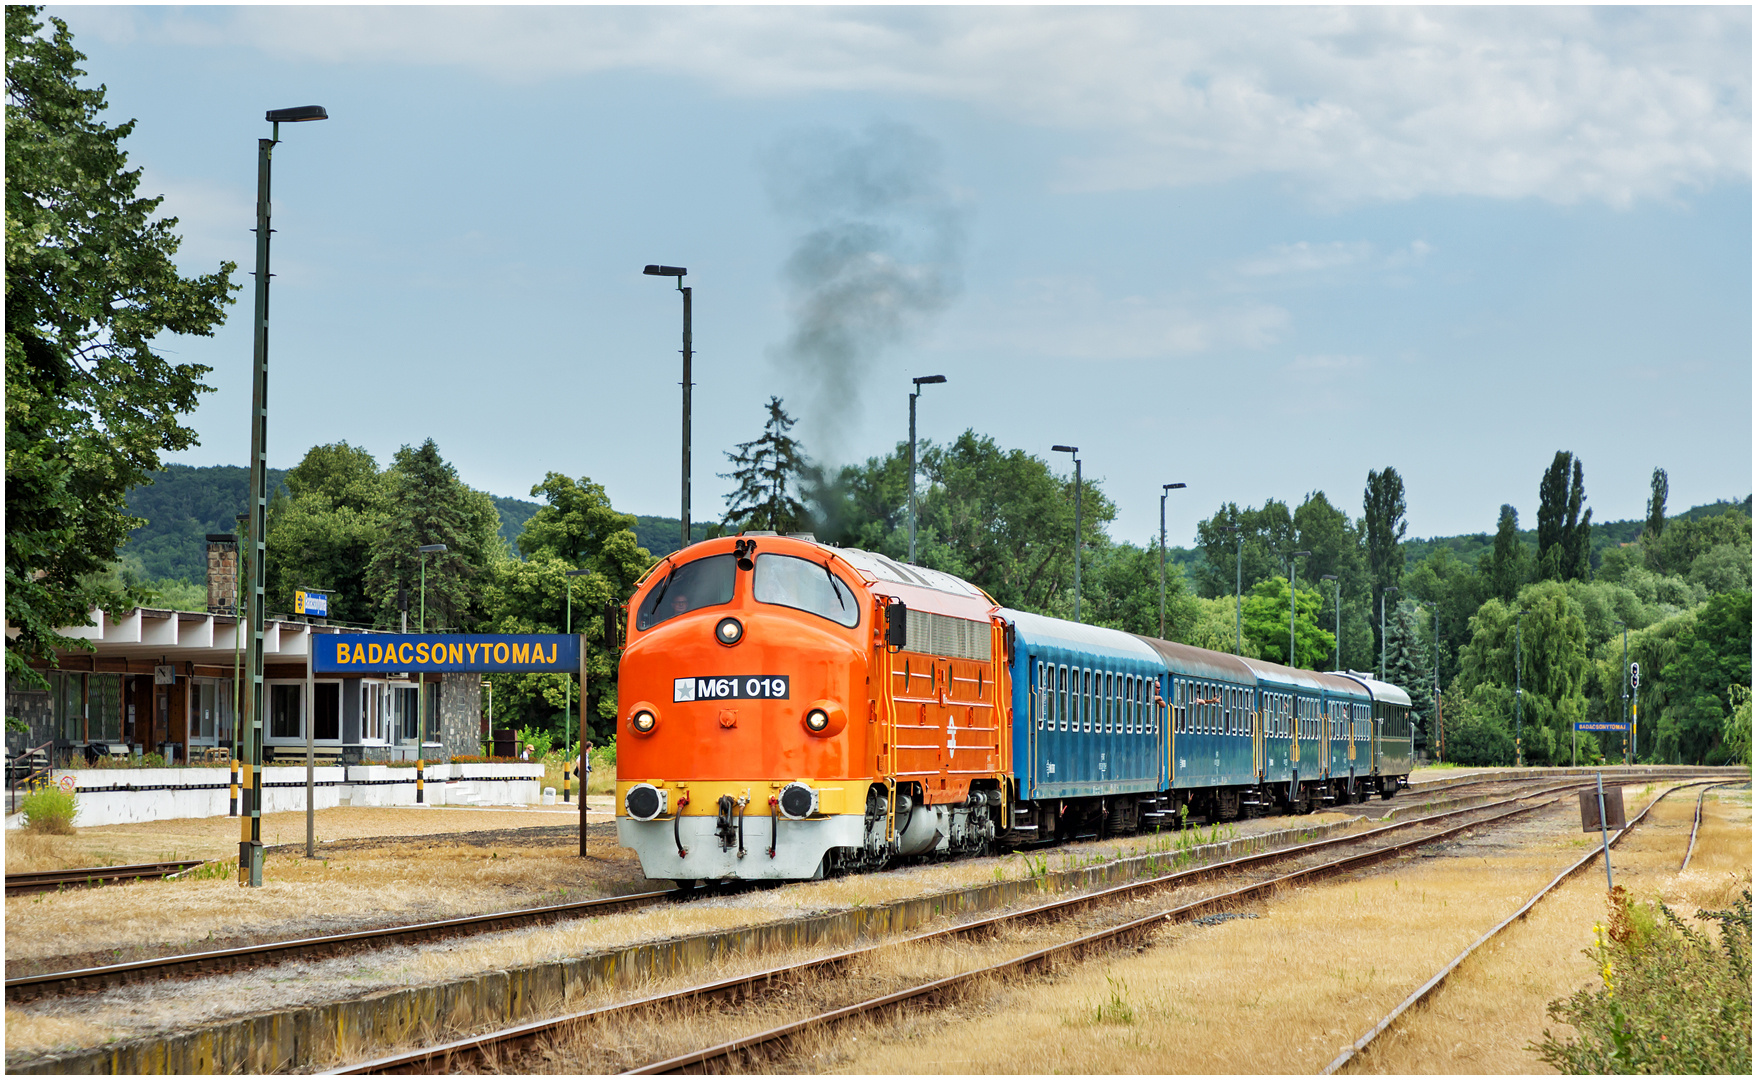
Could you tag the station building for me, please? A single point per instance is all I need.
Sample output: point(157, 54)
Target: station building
point(162, 682)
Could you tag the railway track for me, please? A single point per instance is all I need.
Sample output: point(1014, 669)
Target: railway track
point(32, 987)
point(1696, 823)
point(486, 1048)
point(88, 876)
point(1423, 992)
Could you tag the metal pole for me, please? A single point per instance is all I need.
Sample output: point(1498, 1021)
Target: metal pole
point(310, 746)
point(1162, 495)
point(1238, 602)
point(1519, 702)
point(238, 628)
point(1292, 606)
point(421, 678)
point(1626, 693)
point(1077, 539)
point(567, 709)
point(585, 759)
point(1605, 837)
point(912, 396)
point(250, 839)
point(688, 385)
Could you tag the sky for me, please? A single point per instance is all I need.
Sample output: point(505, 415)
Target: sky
point(1259, 251)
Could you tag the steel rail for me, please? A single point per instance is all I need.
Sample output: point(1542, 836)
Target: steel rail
point(1697, 823)
point(82, 876)
point(29, 987)
point(1037, 958)
point(442, 1056)
point(1359, 1046)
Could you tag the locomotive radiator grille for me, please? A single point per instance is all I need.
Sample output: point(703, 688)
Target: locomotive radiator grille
point(942, 635)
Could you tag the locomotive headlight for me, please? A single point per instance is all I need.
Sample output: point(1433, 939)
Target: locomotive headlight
point(643, 718)
point(729, 631)
point(823, 718)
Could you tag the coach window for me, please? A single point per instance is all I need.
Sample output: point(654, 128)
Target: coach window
point(1110, 703)
point(805, 585)
point(1085, 699)
point(1042, 697)
point(1061, 693)
point(694, 585)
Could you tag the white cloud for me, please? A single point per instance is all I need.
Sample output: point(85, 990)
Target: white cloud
point(1305, 257)
point(1563, 104)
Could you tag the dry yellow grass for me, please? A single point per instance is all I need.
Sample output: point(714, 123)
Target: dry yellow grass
point(217, 837)
point(46, 1034)
point(1278, 994)
point(1483, 1018)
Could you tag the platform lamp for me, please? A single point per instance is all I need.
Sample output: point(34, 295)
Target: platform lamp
point(1292, 602)
point(1074, 450)
point(1164, 490)
point(924, 380)
point(678, 272)
point(1333, 577)
point(1238, 596)
point(1384, 641)
point(421, 681)
point(250, 838)
point(567, 711)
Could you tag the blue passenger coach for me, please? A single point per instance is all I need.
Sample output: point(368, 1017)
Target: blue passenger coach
point(1114, 731)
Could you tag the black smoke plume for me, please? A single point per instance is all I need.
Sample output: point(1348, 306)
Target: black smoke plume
point(878, 255)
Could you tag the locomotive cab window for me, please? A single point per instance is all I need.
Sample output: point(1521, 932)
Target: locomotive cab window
point(787, 581)
point(694, 585)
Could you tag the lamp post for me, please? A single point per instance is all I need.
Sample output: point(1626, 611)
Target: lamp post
point(1338, 581)
point(1519, 691)
point(1164, 490)
point(919, 383)
point(1384, 641)
point(250, 840)
point(1292, 603)
point(655, 270)
point(567, 710)
point(1074, 450)
point(421, 680)
point(1238, 594)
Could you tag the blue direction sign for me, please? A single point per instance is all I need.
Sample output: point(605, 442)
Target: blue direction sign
point(1584, 726)
point(315, 604)
point(340, 654)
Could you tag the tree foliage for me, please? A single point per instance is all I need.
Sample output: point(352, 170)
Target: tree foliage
point(1564, 531)
point(426, 503)
point(1266, 618)
point(1383, 527)
point(90, 284)
point(1660, 486)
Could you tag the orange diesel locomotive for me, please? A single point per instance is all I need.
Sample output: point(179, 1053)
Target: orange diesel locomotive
point(788, 709)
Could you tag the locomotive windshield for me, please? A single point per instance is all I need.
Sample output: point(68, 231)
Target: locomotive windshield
point(806, 585)
point(699, 584)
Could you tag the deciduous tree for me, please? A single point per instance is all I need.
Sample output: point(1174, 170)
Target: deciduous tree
point(91, 285)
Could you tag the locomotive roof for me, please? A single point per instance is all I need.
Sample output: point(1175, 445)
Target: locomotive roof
point(885, 568)
point(1201, 663)
point(1380, 691)
point(1077, 636)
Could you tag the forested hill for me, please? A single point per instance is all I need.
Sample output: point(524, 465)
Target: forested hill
point(186, 502)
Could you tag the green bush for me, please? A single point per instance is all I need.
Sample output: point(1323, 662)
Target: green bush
point(1672, 1001)
point(48, 809)
point(538, 740)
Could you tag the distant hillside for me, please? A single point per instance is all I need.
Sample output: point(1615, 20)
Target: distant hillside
point(186, 502)
point(513, 515)
point(182, 505)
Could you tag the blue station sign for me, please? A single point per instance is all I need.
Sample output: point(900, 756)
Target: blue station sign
point(340, 654)
point(1583, 725)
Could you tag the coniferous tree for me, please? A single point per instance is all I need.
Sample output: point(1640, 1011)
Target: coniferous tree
point(427, 504)
point(768, 470)
point(91, 287)
point(1507, 567)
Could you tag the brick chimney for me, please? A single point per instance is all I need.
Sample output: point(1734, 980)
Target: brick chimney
point(222, 574)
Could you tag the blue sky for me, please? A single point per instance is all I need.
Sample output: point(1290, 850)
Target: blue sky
point(1256, 250)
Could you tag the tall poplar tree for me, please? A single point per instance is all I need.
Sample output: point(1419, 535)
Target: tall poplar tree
point(90, 284)
point(1384, 527)
point(1656, 505)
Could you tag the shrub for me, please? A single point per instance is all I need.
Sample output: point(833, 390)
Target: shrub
point(1672, 1001)
point(538, 740)
point(48, 809)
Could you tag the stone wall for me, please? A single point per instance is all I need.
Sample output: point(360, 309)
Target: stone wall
point(460, 713)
